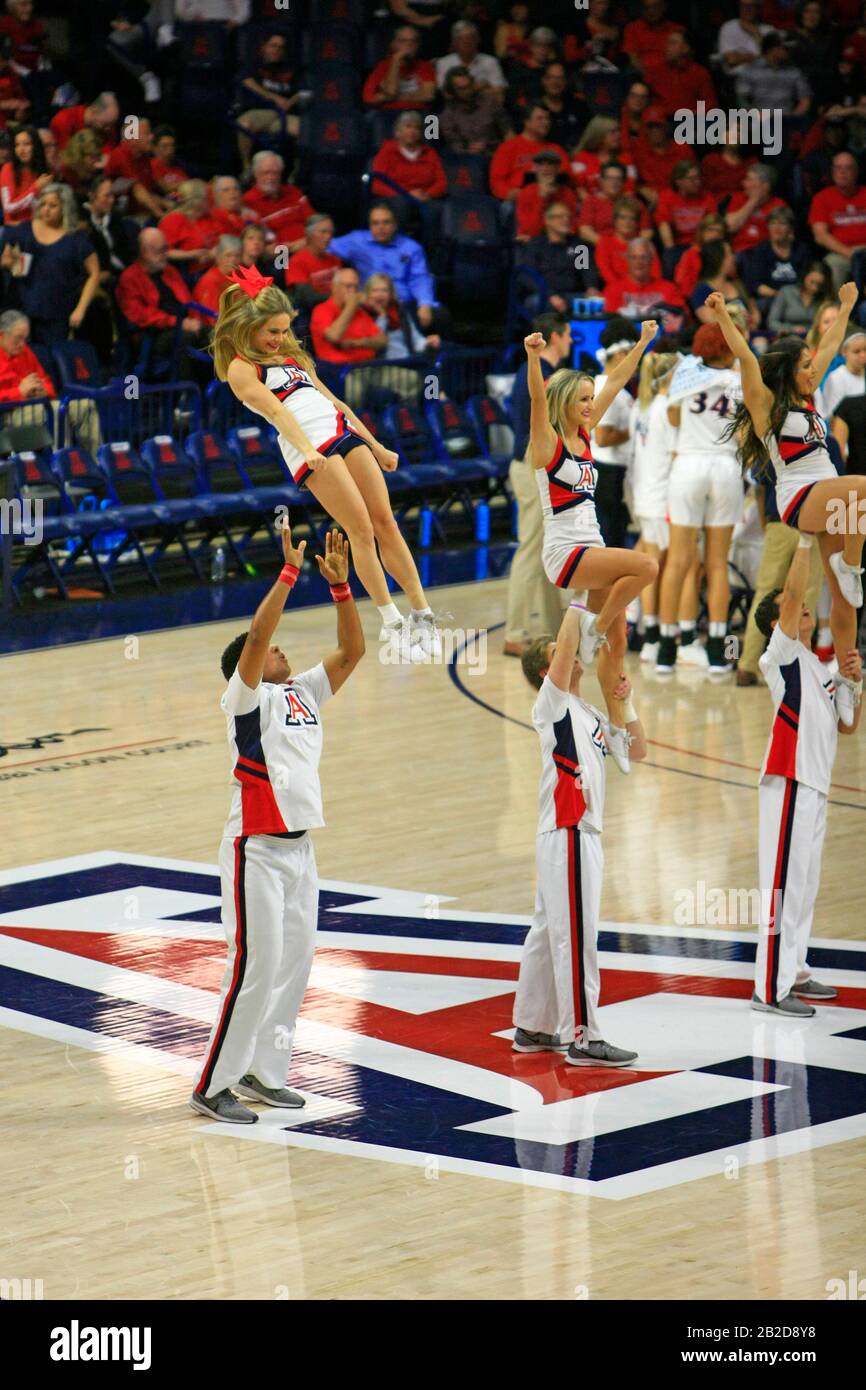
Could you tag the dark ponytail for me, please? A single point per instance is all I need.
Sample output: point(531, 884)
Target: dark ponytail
point(779, 373)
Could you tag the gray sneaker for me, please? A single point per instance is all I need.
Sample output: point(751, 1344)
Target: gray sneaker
point(813, 989)
point(789, 1007)
point(279, 1096)
point(222, 1106)
point(599, 1054)
point(537, 1042)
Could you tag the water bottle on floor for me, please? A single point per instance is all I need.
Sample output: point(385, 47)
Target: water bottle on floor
point(218, 566)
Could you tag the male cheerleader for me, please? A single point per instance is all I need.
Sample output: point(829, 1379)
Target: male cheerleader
point(555, 1008)
point(270, 890)
point(792, 793)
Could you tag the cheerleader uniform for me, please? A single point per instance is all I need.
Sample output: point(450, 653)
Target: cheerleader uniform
point(324, 425)
point(567, 488)
point(798, 459)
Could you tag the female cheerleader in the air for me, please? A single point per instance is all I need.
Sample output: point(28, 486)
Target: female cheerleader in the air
point(563, 411)
point(325, 445)
point(782, 437)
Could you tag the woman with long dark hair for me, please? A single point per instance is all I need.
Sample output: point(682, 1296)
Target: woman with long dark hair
point(25, 175)
point(782, 438)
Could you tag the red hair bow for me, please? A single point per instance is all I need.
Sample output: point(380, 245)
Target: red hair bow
point(250, 280)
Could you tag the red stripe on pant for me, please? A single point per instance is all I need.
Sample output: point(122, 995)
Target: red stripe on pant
point(342, 428)
point(575, 915)
point(563, 578)
point(780, 878)
point(239, 967)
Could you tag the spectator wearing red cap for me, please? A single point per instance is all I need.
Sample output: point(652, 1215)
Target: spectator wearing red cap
point(837, 216)
point(644, 39)
point(679, 83)
point(723, 170)
point(342, 331)
point(281, 208)
point(596, 210)
point(657, 155)
point(311, 270)
point(747, 212)
point(513, 159)
point(410, 161)
point(611, 251)
point(637, 293)
point(547, 185)
point(682, 206)
point(402, 81)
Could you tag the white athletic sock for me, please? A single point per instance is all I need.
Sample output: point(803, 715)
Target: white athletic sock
point(650, 619)
point(422, 613)
point(687, 633)
point(718, 629)
point(668, 629)
point(390, 614)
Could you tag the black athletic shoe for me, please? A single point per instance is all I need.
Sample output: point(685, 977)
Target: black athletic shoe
point(719, 663)
point(667, 657)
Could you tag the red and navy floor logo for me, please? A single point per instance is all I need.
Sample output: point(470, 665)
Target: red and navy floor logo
point(403, 1047)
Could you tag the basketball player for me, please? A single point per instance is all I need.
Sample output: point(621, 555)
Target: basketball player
point(574, 556)
point(555, 1008)
point(270, 891)
point(325, 445)
point(793, 790)
point(781, 434)
point(652, 454)
point(705, 490)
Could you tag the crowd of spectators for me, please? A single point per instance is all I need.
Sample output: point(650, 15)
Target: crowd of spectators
point(111, 232)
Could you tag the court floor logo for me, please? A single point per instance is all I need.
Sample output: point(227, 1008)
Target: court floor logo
point(403, 1047)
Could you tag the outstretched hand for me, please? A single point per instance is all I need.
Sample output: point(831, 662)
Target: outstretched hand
point(292, 554)
point(848, 295)
point(648, 329)
point(851, 666)
point(715, 302)
point(534, 344)
point(334, 564)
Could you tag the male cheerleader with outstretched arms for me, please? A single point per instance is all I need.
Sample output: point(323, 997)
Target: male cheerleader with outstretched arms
point(556, 1006)
point(270, 890)
point(793, 790)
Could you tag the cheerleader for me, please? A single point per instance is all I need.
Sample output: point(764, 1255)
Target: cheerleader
point(574, 555)
point(782, 437)
point(705, 489)
point(325, 445)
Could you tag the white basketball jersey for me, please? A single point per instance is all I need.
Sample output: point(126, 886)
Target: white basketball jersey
point(275, 737)
point(805, 729)
point(573, 750)
point(705, 415)
point(654, 441)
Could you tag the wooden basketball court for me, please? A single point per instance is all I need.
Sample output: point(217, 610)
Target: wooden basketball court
point(430, 1162)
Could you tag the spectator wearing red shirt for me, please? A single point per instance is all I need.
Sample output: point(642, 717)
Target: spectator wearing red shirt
point(682, 206)
point(596, 210)
point(22, 375)
point(130, 168)
point(402, 81)
point(637, 99)
point(23, 177)
point(513, 159)
point(688, 267)
point(600, 143)
point(639, 291)
point(168, 175)
point(410, 161)
point(747, 212)
point(679, 83)
point(311, 270)
point(101, 115)
point(151, 294)
point(342, 331)
point(644, 39)
point(837, 216)
point(547, 185)
point(14, 102)
point(28, 35)
point(281, 208)
point(723, 170)
point(190, 231)
point(611, 251)
point(597, 39)
point(227, 258)
point(657, 155)
point(227, 206)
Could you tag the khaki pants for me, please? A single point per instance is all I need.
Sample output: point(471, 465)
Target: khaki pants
point(780, 543)
point(535, 605)
point(82, 414)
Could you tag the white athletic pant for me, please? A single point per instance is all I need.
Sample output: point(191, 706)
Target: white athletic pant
point(558, 985)
point(270, 905)
point(792, 819)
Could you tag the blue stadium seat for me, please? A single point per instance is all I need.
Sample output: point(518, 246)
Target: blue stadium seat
point(215, 463)
point(81, 476)
point(129, 477)
point(455, 431)
point(75, 365)
point(495, 431)
point(175, 473)
point(473, 249)
point(331, 43)
point(329, 12)
point(466, 173)
point(335, 86)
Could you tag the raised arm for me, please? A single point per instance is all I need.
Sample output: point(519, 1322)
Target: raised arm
point(270, 610)
point(622, 374)
point(756, 397)
point(334, 566)
point(246, 386)
point(561, 668)
point(833, 338)
point(542, 436)
point(794, 592)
